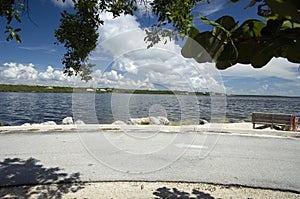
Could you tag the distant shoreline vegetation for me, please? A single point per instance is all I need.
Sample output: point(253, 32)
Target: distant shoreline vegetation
point(58, 89)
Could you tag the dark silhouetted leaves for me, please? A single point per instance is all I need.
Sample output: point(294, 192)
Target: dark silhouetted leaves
point(254, 42)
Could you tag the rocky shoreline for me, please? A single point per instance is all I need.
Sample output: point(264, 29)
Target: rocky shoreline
point(160, 120)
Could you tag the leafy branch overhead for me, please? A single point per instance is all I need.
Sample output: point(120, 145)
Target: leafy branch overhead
point(253, 42)
point(78, 32)
point(12, 10)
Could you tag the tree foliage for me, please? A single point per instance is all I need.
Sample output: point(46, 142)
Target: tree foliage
point(12, 10)
point(176, 13)
point(254, 41)
point(78, 33)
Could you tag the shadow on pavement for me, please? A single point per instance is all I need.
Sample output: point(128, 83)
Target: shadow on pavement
point(16, 175)
point(165, 192)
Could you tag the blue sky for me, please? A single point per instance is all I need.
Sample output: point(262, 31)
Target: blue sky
point(122, 60)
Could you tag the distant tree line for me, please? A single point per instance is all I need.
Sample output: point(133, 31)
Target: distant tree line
point(38, 89)
point(57, 89)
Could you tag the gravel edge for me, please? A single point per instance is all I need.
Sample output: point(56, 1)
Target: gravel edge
point(141, 190)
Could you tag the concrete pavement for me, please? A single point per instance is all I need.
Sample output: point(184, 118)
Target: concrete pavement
point(143, 155)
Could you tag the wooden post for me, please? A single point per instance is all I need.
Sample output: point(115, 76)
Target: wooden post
point(294, 123)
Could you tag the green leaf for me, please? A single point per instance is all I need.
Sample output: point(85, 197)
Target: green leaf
point(289, 25)
point(18, 38)
point(17, 30)
point(228, 57)
point(288, 9)
point(211, 44)
point(245, 51)
point(193, 32)
point(267, 50)
point(216, 24)
point(17, 17)
point(198, 47)
point(293, 52)
point(9, 37)
point(249, 29)
point(272, 27)
point(228, 23)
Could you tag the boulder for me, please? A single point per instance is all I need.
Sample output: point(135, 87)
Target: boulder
point(119, 122)
point(79, 122)
point(154, 120)
point(149, 120)
point(139, 121)
point(67, 121)
point(26, 124)
point(48, 123)
point(163, 120)
point(202, 122)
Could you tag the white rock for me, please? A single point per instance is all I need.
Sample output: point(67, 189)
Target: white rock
point(139, 121)
point(163, 120)
point(145, 121)
point(119, 122)
point(134, 121)
point(26, 124)
point(67, 121)
point(48, 123)
point(79, 122)
point(154, 120)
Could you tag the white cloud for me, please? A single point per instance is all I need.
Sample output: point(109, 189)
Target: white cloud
point(123, 39)
point(277, 67)
point(38, 48)
point(278, 77)
point(114, 26)
point(16, 72)
point(13, 73)
point(206, 9)
point(61, 4)
point(144, 7)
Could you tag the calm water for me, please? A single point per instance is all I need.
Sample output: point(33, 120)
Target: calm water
point(19, 108)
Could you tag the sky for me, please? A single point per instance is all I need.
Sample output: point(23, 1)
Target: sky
point(123, 60)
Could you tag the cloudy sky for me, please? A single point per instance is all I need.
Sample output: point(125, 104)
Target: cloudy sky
point(123, 60)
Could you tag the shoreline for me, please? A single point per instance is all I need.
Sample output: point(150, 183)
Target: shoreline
point(243, 128)
point(61, 89)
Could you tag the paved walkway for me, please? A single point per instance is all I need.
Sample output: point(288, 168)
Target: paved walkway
point(30, 158)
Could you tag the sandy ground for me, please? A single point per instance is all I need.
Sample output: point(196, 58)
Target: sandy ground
point(141, 190)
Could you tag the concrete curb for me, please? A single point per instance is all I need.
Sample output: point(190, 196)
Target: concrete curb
point(231, 128)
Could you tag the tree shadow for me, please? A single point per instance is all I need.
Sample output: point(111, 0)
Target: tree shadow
point(167, 193)
point(18, 176)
